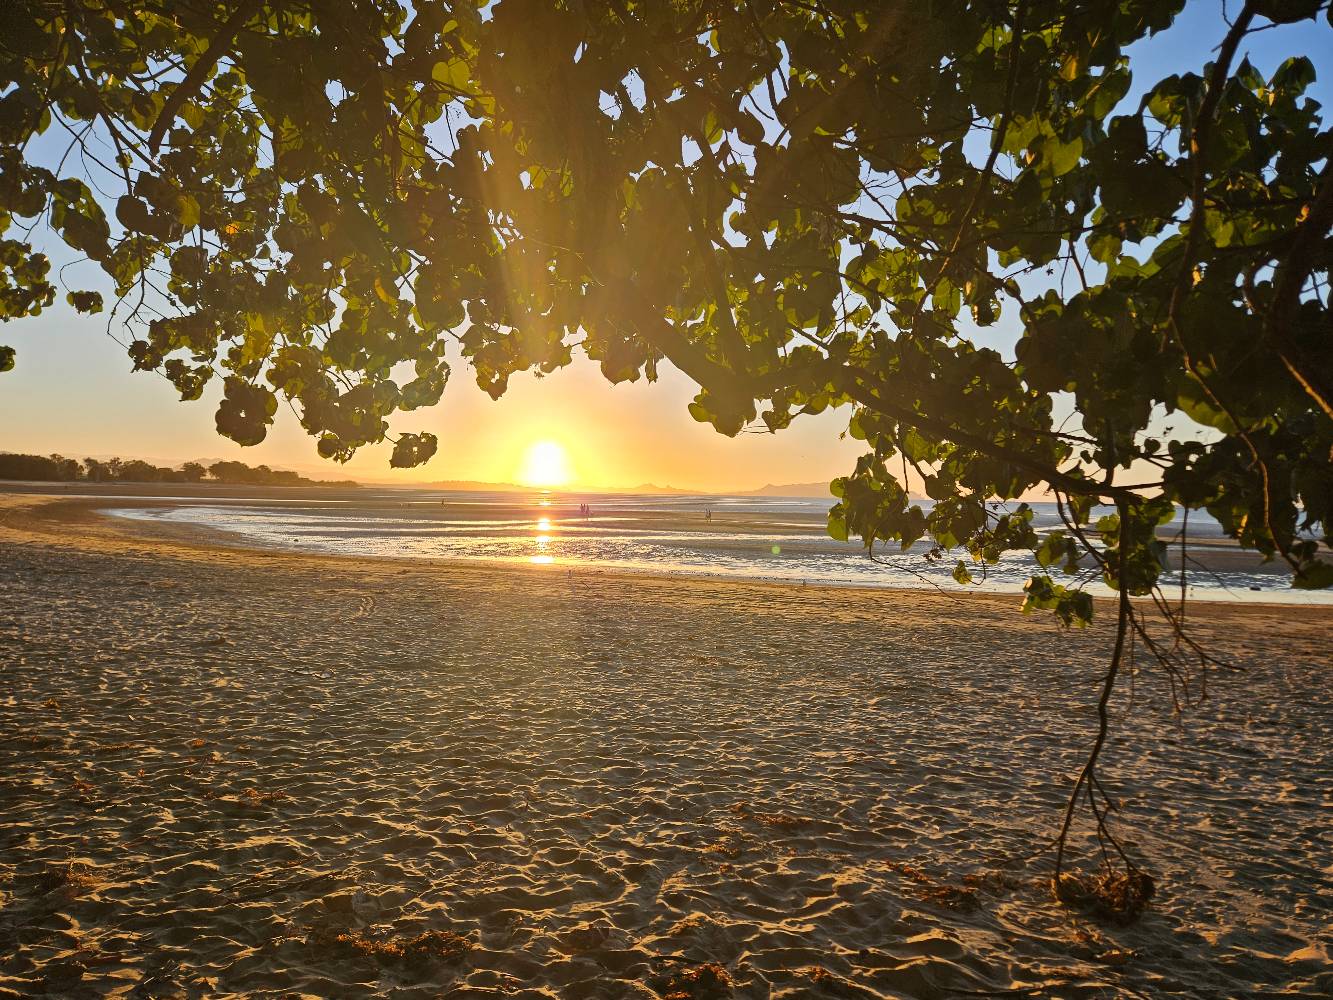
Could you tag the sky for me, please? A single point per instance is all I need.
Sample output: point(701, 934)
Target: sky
point(72, 391)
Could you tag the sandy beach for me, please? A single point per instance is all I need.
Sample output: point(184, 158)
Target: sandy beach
point(227, 772)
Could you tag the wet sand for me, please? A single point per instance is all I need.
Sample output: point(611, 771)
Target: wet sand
point(229, 772)
point(1205, 554)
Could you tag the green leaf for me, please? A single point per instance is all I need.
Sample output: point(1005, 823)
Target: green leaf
point(411, 450)
point(1294, 75)
point(1288, 11)
point(245, 412)
point(1314, 575)
point(1195, 401)
point(1070, 607)
point(188, 213)
point(85, 302)
point(1063, 156)
point(454, 74)
point(1052, 549)
point(837, 524)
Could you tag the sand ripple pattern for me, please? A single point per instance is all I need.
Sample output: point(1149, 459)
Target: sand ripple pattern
point(211, 768)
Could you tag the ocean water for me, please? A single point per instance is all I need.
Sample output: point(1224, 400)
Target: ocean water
point(764, 538)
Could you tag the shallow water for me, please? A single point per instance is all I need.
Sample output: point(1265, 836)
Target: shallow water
point(778, 538)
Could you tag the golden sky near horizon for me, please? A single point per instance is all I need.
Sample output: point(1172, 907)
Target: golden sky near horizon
point(72, 392)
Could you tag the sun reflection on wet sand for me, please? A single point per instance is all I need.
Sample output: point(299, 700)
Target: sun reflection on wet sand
point(543, 557)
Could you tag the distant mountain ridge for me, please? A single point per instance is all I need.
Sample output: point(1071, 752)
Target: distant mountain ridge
point(819, 490)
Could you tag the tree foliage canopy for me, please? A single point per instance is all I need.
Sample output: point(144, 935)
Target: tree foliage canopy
point(801, 205)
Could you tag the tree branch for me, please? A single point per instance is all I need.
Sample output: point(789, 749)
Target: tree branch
point(1288, 280)
point(1088, 775)
point(858, 385)
point(997, 143)
point(194, 79)
point(1203, 130)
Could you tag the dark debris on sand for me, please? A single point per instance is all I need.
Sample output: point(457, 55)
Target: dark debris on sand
point(418, 953)
point(1117, 896)
point(709, 981)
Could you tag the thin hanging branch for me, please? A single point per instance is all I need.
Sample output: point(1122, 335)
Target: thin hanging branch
point(1087, 777)
point(1288, 281)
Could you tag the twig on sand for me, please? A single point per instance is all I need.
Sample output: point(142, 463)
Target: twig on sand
point(301, 883)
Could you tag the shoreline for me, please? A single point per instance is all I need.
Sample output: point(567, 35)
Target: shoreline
point(81, 525)
point(91, 517)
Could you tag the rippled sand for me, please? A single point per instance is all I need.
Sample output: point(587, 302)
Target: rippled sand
point(231, 773)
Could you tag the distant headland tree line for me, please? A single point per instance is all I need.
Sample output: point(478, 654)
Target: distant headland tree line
point(58, 468)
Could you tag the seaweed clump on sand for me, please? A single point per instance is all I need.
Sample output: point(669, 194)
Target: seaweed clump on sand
point(1118, 896)
point(73, 878)
point(709, 981)
point(782, 821)
point(932, 890)
point(256, 797)
point(422, 951)
point(833, 984)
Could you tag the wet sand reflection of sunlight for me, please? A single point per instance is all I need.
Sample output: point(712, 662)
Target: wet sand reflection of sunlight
point(543, 557)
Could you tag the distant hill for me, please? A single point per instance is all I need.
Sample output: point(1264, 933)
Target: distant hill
point(464, 486)
point(819, 490)
point(653, 488)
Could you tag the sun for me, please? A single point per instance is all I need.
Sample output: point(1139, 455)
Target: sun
point(545, 464)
